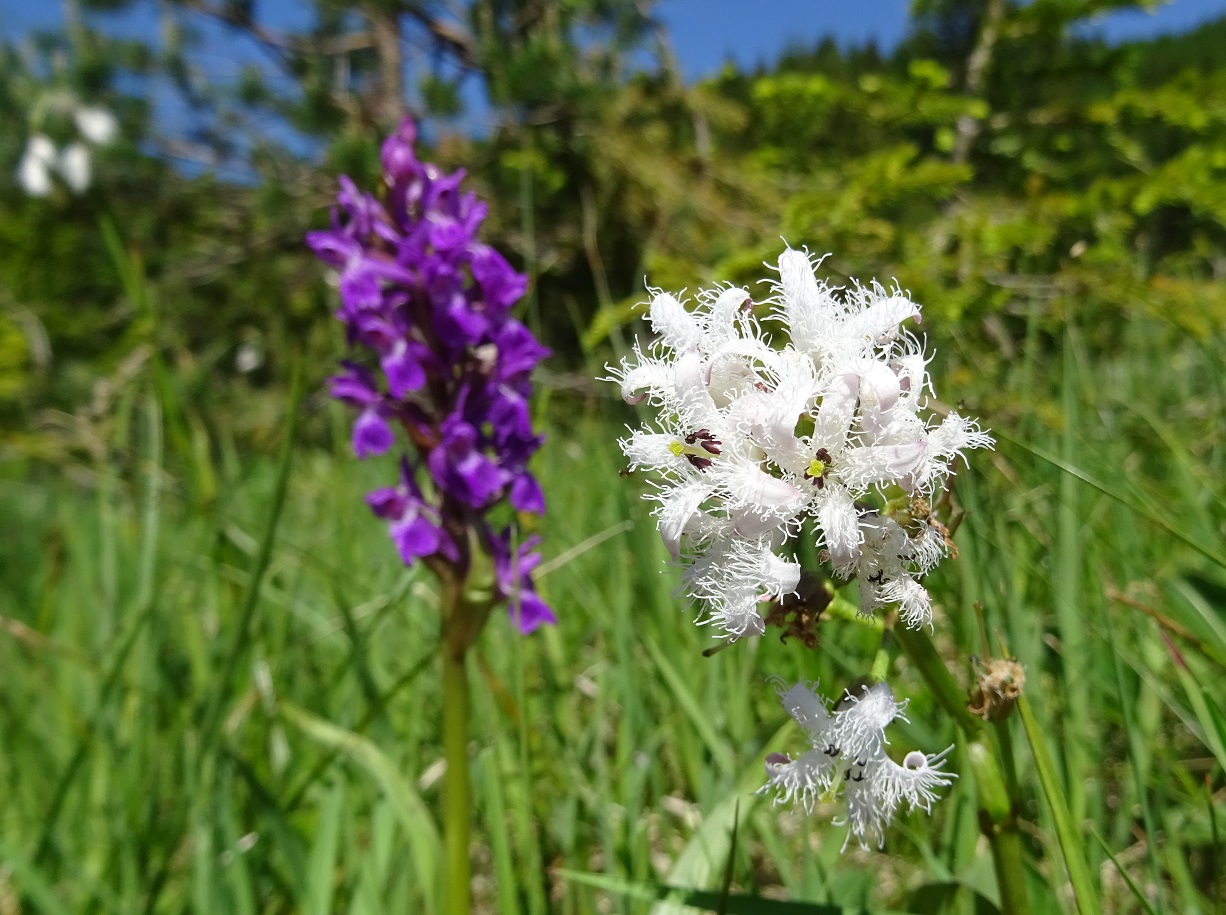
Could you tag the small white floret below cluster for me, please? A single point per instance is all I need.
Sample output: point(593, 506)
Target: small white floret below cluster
point(42, 160)
point(752, 438)
point(848, 757)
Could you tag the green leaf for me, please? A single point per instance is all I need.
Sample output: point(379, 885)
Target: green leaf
point(32, 882)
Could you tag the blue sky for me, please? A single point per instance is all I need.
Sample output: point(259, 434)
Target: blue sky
point(704, 34)
point(707, 32)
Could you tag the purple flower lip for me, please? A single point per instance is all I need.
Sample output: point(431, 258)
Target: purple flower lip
point(513, 574)
point(429, 305)
point(414, 524)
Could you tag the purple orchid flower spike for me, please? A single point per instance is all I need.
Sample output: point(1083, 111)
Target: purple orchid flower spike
point(434, 352)
point(426, 309)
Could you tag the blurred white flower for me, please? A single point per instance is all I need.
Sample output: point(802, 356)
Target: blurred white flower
point(96, 124)
point(248, 357)
point(848, 755)
point(74, 165)
point(34, 169)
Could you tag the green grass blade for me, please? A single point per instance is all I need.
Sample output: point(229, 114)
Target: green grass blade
point(730, 867)
point(1129, 503)
point(712, 842)
point(490, 780)
point(1207, 713)
point(33, 884)
point(717, 746)
point(1136, 891)
point(321, 881)
point(1070, 842)
point(251, 596)
point(1136, 756)
point(423, 834)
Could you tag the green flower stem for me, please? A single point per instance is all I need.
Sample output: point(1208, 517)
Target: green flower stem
point(949, 695)
point(457, 799)
point(465, 606)
point(1008, 858)
point(881, 661)
point(842, 609)
point(996, 784)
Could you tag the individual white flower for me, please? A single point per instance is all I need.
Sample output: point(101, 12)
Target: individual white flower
point(946, 444)
point(74, 165)
point(732, 575)
point(809, 776)
point(848, 755)
point(884, 570)
point(96, 124)
point(34, 169)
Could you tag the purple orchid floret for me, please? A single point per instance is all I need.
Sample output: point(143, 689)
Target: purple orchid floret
point(513, 574)
point(460, 467)
point(356, 387)
point(413, 523)
point(429, 306)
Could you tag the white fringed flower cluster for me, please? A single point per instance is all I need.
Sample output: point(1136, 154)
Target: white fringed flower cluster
point(848, 755)
point(752, 438)
point(41, 160)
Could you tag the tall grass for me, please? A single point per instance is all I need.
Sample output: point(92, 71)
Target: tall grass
point(153, 761)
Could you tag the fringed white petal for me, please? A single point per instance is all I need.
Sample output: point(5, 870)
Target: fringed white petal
point(840, 523)
point(871, 465)
point(914, 604)
point(802, 780)
point(652, 451)
point(678, 506)
point(807, 306)
point(694, 405)
point(914, 781)
point(809, 710)
point(753, 490)
point(866, 817)
point(725, 307)
point(877, 322)
point(642, 378)
point(675, 326)
point(834, 416)
point(860, 721)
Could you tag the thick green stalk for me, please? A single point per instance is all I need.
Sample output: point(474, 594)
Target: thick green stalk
point(998, 821)
point(457, 801)
point(997, 808)
point(1007, 857)
point(465, 606)
point(945, 689)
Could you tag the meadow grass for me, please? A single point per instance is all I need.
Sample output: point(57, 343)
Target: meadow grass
point(229, 703)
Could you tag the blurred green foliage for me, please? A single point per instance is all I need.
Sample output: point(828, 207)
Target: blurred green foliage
point(995, 164)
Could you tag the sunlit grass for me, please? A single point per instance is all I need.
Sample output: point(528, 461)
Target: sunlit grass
point(608, 745)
